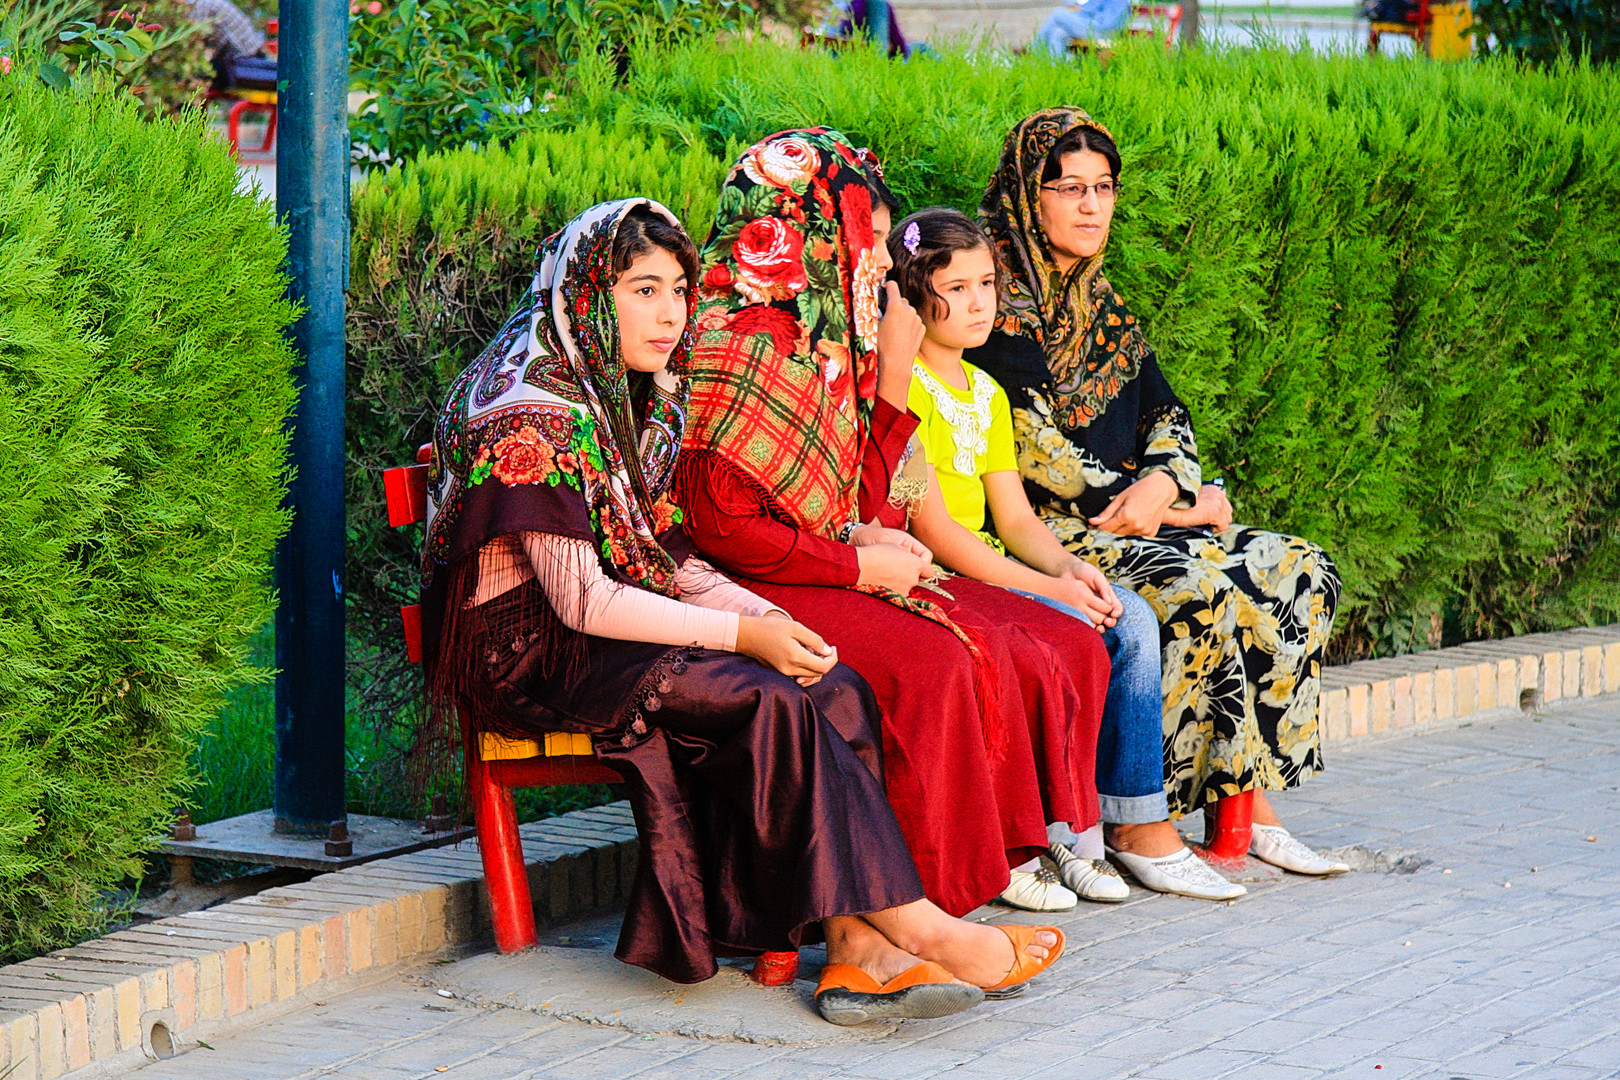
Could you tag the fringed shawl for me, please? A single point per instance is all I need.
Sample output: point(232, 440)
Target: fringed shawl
point(547, 432)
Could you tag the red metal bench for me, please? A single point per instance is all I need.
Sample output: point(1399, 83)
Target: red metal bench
point(504, 765)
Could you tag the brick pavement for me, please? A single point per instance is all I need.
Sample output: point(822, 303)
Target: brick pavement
point(1498, 956)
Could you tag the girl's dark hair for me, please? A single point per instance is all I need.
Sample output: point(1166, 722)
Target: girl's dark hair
point(881, 195)
point(1076, 140)
point(644, 229)
point(941, 233)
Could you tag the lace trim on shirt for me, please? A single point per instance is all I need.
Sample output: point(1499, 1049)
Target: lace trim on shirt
point(970, 423)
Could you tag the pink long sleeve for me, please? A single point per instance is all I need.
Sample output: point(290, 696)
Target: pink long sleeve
point(588, 601)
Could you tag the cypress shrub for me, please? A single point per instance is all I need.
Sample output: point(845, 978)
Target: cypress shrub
point(1385, 288)
point(144, 384)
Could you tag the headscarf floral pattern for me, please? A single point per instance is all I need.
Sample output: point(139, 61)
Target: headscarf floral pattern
point(546, 413)
point(784, 370)
point(1093, 343)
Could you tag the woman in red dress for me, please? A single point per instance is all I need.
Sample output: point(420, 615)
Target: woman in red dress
point(795, 443)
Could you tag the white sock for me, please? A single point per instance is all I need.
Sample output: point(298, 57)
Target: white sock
point(1029, 867)
point(1089, 844)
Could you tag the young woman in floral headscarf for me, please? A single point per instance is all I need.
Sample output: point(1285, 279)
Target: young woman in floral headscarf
point(991, 703)
point(1110, 462)
point(560, 595)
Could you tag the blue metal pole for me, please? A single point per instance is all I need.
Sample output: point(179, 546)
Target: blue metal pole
point(312, 199)
point(877, 23)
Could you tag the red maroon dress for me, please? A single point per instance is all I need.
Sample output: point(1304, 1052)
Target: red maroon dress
point(966, 815)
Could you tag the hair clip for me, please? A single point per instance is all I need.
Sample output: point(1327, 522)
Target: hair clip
point(865, 156)
point(912, 238)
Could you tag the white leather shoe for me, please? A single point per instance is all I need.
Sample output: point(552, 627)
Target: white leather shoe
point(1089, 879)
point(1279, 847)
point(1183, 874)
point(1038, 890)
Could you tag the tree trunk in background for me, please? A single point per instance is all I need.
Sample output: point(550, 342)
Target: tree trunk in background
point(1189, 22)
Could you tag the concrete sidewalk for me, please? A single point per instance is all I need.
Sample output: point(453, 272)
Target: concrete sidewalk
point(1481, 942)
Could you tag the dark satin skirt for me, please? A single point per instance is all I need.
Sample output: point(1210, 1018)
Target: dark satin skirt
point(759, 803)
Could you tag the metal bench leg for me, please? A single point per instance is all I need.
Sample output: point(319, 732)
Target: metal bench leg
point(233, 125)
point(1226, 844)
point(269, 143)
point(776, 968)
point(510, 908)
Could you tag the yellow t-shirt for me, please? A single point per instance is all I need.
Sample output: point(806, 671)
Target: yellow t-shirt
point(966, 433)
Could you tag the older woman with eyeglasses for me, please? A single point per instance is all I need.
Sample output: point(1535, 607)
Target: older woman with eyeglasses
point(1110, 461)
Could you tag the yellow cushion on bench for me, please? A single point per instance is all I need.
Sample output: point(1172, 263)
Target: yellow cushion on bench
point(494, 747)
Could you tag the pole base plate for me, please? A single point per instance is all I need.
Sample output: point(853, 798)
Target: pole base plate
point(251, 838)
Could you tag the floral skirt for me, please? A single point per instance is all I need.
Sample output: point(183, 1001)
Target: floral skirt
point(1244, 617)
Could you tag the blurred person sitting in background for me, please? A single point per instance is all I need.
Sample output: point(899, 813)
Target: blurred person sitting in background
point(240, 59)
point(1082, 20)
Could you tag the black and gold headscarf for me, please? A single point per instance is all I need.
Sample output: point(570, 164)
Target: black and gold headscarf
point(1092, 342)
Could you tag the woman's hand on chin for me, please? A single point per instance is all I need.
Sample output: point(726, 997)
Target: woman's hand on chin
point(899, 336)
point(791, 648)
point(1140, 509)
point(1213, 509)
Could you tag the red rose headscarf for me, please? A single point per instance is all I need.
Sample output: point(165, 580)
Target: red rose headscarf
point(785, 366)
point(784, 371)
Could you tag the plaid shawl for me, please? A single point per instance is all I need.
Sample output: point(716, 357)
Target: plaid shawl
point(783, 372)
point(1092, 342)
point(785, 367)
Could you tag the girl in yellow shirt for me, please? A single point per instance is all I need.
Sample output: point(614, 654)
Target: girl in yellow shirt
point(977, 515)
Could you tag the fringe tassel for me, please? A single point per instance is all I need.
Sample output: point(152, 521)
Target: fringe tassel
point(468, 641)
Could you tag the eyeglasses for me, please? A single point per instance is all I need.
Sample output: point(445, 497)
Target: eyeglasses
point(1106, 190)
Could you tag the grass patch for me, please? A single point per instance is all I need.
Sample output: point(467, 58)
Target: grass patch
point(237, 757)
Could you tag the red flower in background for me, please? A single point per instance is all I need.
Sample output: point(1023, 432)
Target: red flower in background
point(824, 198)
point(718, 279)
point(781, 162)
point(856, 203)
point(770, 260)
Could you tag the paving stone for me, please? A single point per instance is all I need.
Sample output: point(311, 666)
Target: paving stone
point(1301, 979)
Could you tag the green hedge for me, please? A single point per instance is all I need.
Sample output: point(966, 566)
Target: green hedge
point(1386, 288)
point(144, 383)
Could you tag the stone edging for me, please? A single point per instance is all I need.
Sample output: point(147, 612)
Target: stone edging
point(1481, 681)
point(98, 1008)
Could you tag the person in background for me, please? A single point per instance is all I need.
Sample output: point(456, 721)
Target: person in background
point(1110, 462)
point(1082, 20)
point(238, 46)
point(947, 270)
point(852, 18)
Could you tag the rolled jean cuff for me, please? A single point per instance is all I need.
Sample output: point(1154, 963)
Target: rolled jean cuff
point(1134, 809)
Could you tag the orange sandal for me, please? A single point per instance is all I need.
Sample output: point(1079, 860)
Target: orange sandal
point(1025, 967)
point(848, 996)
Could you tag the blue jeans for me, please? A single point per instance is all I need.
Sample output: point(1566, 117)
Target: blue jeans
point(1130, 745)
